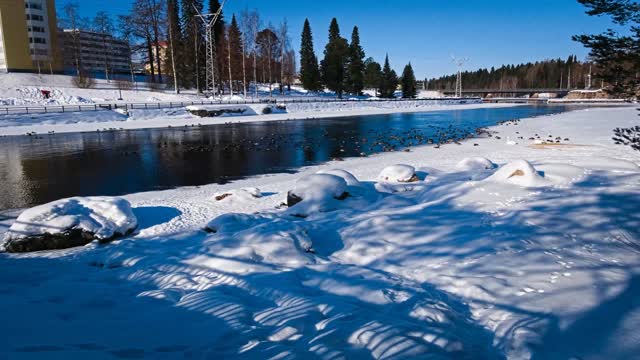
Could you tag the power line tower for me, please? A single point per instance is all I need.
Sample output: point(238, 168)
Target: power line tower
point(209, 20)
point(460, 64)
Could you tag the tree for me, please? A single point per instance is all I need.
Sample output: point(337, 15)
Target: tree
point(103, 25)
point(234, 53)
point(408, 82)
point(192, 41)
point(250, 24)
point(617, 56)
point(356, 64)
point(372, 75)
point(175, 44)
point(220, 38)
point(268, 45)
point(334, 66)
point(283, 35)
point(71, 19)
point(309, 71)
point(389, 80)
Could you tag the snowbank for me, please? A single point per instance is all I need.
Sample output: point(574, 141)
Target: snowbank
point(70, 222)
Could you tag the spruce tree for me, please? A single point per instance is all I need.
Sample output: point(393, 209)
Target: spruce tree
point(372, 75)
point(234, 52)
point(389, 80)
point(356, 64)
point(192, 41)
point(617, 56)
point(334, 65)
point(222, 62)
point(409, 90)
point(309, 71)
point(174, 60)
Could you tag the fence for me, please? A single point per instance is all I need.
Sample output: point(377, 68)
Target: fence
point(22, 110)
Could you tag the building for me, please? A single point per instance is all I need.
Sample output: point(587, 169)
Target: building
point(28, 36)
point(96, 53)
point(161, 52)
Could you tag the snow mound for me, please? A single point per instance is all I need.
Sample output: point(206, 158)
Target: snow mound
point(398, 173)
point(316, 193)
point(518, 172)
point(475, 164)
point(319, 187)
point(248, 243)
point(70, 222)
point(244, 194)
point(347, 176)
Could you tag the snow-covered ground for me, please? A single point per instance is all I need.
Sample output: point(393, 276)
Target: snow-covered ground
point(536, 259)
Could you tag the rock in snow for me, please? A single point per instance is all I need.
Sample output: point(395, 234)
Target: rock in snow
point(475, 164)
point(70, 222)
point(398, 173)
point(347, 176)
point(317, 187)
point(244, 194)
point(519, 172)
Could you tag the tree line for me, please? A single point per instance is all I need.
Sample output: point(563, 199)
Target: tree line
point(170, 38)
point(548, 74)
point(344, 69)
point(617, 55)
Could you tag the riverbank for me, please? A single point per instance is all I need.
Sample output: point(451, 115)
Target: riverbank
point(486, 268)
point(11, 125)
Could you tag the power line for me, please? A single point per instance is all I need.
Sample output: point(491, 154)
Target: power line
point(209, 20)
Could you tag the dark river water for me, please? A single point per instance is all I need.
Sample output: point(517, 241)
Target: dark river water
point(38, 170)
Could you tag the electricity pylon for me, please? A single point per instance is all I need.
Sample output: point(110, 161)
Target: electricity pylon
point(460, 64)
point(209, 20)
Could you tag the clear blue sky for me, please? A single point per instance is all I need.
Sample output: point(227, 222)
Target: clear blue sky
point(427, 32)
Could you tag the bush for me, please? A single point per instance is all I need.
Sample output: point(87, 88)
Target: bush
point(83, 80)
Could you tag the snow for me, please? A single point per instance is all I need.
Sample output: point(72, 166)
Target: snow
point(518, 172)
point(104, 217)
point(347, 176)
point(475, 164)
point(316, 193)
point(454, 268)
point(397, 173)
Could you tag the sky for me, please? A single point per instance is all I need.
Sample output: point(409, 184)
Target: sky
point(426, 32)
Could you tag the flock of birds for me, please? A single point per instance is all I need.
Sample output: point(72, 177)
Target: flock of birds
point(340, 144)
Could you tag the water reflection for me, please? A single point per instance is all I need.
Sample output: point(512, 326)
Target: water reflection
point(34, 171)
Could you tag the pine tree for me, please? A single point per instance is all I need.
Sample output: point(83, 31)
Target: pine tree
point(334, 66)
point(617, 56)
point(174, 32)
point(408, 81)
point(309, 71)
point(192, 41)
point(356, 64)
point(222, 56)
point(389, 80)
point(234, 52)
point(372, 75)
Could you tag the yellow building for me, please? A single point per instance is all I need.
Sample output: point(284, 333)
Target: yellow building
point(28, 36)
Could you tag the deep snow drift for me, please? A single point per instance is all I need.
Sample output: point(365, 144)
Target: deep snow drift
point(538, 258)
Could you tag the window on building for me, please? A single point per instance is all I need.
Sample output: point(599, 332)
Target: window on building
point(37, 40)
point(35, 17)
point(33, 5)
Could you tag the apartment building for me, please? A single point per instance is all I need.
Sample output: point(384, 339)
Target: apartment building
point(28, 36)
point(94, 52)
